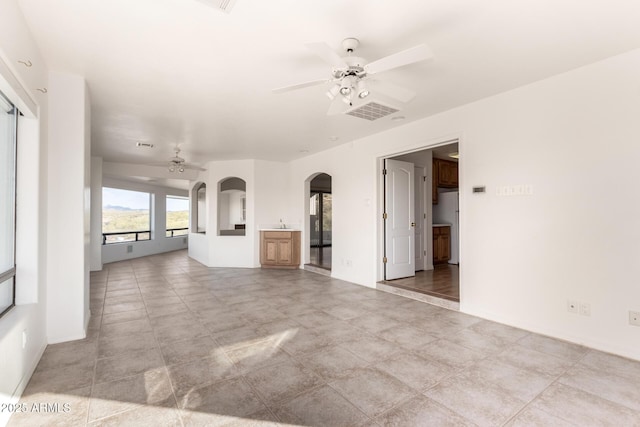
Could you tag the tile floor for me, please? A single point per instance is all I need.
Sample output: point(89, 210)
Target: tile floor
point(173, 343)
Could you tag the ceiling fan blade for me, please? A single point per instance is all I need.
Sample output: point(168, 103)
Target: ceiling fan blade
point(337, 107)
point(325, 52)
point(193, 167)
point(300, 86)
point(391, 90)
point(409, 56)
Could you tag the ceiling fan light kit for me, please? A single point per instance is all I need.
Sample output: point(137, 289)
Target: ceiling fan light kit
point(178, 164)
point(350, 73)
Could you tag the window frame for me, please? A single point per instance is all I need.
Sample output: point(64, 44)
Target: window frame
point(166, 212)
point(10, 274)
point(148, 231)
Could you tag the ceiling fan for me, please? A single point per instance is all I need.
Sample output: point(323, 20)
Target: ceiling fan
point(351, 77)
point(178, 164)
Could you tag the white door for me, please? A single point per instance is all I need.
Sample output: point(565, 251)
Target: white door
point(400, 221)
point(419, 217)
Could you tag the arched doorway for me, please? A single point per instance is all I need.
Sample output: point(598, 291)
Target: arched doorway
point(320, 218)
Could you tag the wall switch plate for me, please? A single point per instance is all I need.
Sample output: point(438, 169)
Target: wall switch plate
point(572, 306)
point(634, 318)
point(585, 309)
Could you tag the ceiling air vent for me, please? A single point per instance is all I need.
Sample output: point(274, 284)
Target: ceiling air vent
point(223, 5)
point(372, 111)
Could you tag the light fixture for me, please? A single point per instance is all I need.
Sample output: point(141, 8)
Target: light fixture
point(455, 155)
point(363, 92)
point(181, 169)
point(345, 90)
point(172, 167)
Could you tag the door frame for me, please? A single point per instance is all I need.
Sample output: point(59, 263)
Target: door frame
point(380, 205)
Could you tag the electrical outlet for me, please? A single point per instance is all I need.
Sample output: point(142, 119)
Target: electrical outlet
point(634, 318)
point(572, 306)
point(585, 309)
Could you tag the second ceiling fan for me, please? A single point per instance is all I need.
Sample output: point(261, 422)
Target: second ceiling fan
point(352, 77)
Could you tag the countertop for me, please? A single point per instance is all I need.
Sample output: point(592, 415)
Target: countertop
point(441, 225)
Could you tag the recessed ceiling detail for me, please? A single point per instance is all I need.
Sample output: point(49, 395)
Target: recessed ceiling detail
point(372, 111)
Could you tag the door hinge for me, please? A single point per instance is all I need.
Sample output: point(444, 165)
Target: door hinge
point(384, 171)
point(424, 216)
point(384, 215)
point(424, 178)
point(384, 260)
point(425, 253)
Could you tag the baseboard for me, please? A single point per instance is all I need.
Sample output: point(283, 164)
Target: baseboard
point(17, 393)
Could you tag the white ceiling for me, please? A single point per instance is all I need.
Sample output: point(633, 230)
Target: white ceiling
point(179, 71)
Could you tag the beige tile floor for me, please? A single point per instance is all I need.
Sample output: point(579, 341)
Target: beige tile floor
point(173, 343)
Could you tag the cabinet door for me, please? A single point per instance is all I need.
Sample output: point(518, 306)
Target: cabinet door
point(441, 244)
point(454, 174)
point(271, 251)
point(434, 182)
point(284, 251)
point(444, 172)
point(447, 173)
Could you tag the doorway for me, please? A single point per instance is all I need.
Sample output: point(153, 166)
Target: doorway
point(320, 218)
point(428, 201)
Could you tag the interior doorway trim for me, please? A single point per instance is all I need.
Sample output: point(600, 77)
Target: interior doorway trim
point(418, 146)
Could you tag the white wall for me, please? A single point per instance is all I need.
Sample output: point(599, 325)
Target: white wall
point(159, 243)
point(225, 251)
point(17, 363)
point(267, 203)
point(572, 137)
point(68, 204)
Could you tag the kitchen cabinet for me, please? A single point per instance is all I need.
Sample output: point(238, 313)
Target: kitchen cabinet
point(434, 183)
point(447, 173)
point(280, 248)
point(441, 244)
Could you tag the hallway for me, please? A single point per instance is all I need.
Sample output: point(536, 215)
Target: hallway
point(174, 343)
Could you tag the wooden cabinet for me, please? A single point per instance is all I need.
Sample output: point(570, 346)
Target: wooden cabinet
point(280, 249)
point(447, 173)
point(441, 244)
point(434, 183)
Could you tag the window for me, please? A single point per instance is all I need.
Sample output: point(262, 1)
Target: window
point(8, 126)
point(125, 216)
point(177, 216)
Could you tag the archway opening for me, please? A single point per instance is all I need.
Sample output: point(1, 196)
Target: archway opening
point(232, 207)
point(320, 221)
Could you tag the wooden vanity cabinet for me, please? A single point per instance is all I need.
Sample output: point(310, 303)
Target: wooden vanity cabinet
point(280, 249)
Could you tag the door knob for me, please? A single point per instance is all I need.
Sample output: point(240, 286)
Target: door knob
point(413, 224)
